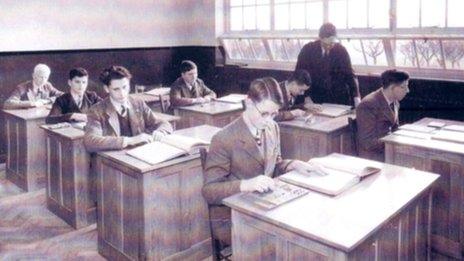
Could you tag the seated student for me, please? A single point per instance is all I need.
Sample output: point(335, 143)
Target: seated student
point(73, 105)
point(189, 89)
point(296, 85)
point(33, 93)
point(119, 120)
point(245, 155)
point(377, 114)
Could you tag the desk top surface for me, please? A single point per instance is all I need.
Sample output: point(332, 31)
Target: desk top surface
point(29, 114)
point(432, 144)
point(70, 132)
point(204, 132)
point(146, 97)
point(320, 123)
point(345, 221)
point(213, 108)
point(167, 117)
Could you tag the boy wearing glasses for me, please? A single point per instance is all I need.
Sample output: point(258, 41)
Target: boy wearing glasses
point(377, 114)
point(245, 155)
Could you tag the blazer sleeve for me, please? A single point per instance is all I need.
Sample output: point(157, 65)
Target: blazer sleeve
point(218, 185)
point(207, 92)
point(15, 102)
point(284, 115)
point(53, 92)
point(176, 99)
point(94, 140)
point(346, 71)
point(56, 113)
point(152, 123)
point(366, 118)
point(302, 61)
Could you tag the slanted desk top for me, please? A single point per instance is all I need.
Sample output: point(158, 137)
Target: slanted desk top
point(70, 132)
point(204, 132)
point(29, 114)
point(320, 123)
point(213, 108)
point(345, 221)
point(428, 143)
point(167, 117)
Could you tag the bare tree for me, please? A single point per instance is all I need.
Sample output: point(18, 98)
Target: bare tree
point(428, 50)
point(408, 52)
point(373, 48)
point(454, 52)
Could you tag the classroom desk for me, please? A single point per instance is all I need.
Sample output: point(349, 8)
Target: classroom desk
point(70, 183)
point(173, 119)
point(25, 147)
point(385, 217)
point(153, 212)
point(153, 101)
point(70, 187)
point(446, 159)
point(215, 113)
point(325, 135)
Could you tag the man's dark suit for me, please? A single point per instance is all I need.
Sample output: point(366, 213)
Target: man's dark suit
point(333, 79)
point(65, 106)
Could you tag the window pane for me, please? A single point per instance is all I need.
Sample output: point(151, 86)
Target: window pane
point(249, 2)
point(277, 50)
point(408, 13)
point(379, 11)
point(354, 48)
point(281, 17)
point(357, 13)
point(262, 2)
point(337, 13)
point(429, 53)
point(293, 48)
point(404, 53)
point(281, 1)
point(235, 2)
point(454, 54)
point(433, 13)
point(375, 54)
point(305, 41)
point(314, 15)
point(455, 8)
point(297, 20)
point(236, 19)
point(263, 17)
point(249, 23)
point(260, 49)
point(232, 49)
point(247, 53)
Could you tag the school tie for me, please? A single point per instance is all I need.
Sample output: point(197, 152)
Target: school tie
point(123, 111)
point(79, 102)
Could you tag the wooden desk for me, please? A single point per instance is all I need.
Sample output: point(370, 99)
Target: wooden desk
point(385, 217)
point(25, 147)
point(215, 113)
point(70, 187)
point(153, 212)
point(325, 135)
point(153, 101)
point(173, 119)
point(446, 159)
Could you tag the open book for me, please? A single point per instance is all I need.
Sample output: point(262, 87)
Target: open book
point(334, 110)
point(451, 136)
point(341, 175)
point(282, 193)
point(171, 146)
point(233, 98)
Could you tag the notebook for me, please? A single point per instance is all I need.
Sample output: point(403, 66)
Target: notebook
point(233, 98)
point(283, 193)
point(341, 175)
point(451, 136)
point(170, 147)
point(334, 110)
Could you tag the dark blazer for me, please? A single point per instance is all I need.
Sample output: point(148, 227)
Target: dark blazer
point(375, 119)
point(102, 130)
point(288, 105)
point(181, 95)
point(234, 155)
point(65, 106)
point(19, 99)
point(333, 79)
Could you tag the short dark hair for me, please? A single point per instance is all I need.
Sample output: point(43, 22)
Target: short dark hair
point(300, 77)
point(78, 72)
point(187, 65)
point(265, 88)
point(114, 72)
point(327, 30)
point(393, 77)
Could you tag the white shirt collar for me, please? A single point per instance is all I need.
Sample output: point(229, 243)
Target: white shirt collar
point(76, 98)
point(190, 86)
point(117, 105)
point(388, 101)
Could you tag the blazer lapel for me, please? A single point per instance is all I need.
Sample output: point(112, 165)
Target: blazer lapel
point(248, 143)
point(134, 115)
point(112, 117)
point(270, 151)
point(385, 108)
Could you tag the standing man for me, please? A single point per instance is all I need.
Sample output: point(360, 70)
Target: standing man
point(119, 121)
point(73, 105)
point(189, 89)
point(35, 93)
point(329, 65)
point(377, 114)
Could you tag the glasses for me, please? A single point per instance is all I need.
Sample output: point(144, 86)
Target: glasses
point(265, 114)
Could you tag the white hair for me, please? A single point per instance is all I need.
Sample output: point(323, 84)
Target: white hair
point(42, 68)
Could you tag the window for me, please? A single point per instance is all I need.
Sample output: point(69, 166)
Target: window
point(250, 15)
